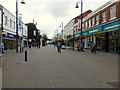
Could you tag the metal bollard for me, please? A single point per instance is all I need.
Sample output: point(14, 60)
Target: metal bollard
point(119, 70)
point(20, 49)
point(25, 56)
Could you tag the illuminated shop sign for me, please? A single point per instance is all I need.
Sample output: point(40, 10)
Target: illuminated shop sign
point(112, 26)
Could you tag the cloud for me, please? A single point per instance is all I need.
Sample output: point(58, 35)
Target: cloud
point(49, 14)
point(58, 9)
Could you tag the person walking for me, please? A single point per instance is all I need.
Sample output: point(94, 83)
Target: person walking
point(2, 45)
point(39, 43)
point(78, 46)
point(93, 47)
point(81, 47)
point(59, 47)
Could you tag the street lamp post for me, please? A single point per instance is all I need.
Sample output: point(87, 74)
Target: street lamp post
point(17, 24)
point(57, 34)
point(22, 36)
point(62, 29)
point(73, 35)
point(80, 16)
point(1, 30)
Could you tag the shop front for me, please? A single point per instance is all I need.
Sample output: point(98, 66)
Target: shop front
point(106, 37)
point(90, 36)
point(10, 41)
point(112, 36)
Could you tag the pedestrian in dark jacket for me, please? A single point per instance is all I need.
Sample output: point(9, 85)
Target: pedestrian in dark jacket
point(93, 48)
point(39, 43)
point(81, 47)
point(78, 46)
point(59, 47)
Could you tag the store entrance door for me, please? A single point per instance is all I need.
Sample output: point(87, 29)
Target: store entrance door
point(114, 41)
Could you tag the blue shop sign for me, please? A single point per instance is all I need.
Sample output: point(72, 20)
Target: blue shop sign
point(91, 31)
point(108, 27)
point(76, 35)
point(112, 26)
point(95, 30)
point(9, 35)
point(85, 33)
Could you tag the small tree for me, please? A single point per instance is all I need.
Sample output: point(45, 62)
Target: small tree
point(45, 38)
point(38, 37)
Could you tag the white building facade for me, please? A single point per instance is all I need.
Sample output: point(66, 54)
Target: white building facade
point(9, 30)
point(68, 29)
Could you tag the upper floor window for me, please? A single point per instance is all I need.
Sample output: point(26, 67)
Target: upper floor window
point(79, 24)
point(10, 23)
point(97, 19)
point(6, 19)
point(89, 23)
point(86, 24)
point(14, 24)
point(104, 16)
point(93, 21)
point(113, 12)
point(82, 26)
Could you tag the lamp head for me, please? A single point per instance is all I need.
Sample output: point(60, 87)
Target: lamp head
point(23, 2)
point(77, 5)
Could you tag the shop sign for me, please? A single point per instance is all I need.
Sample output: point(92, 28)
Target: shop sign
point(85, 33)
point(112, 26)
point(9, 35)
point(95, 30)
point(76, 35)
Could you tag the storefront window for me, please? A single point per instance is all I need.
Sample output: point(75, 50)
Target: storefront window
point(111, 41)
point(100, 41)
point(114, 41)
point(117, 40)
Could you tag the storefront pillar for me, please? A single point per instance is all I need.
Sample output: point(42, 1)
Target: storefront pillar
point(86, 42)
point(94, 39)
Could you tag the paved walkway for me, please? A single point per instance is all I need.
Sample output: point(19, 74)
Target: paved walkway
point(70, 69)
point(0, 71)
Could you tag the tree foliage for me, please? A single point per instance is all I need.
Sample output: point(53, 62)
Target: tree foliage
point(45, 38)
point(31, 29)
point(38, 37)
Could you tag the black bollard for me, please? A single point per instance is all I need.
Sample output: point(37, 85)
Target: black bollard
point(119, 70)
point(20, 50)
point(25, 56)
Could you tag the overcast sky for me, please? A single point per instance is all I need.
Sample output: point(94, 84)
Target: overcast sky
point(49, 14)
